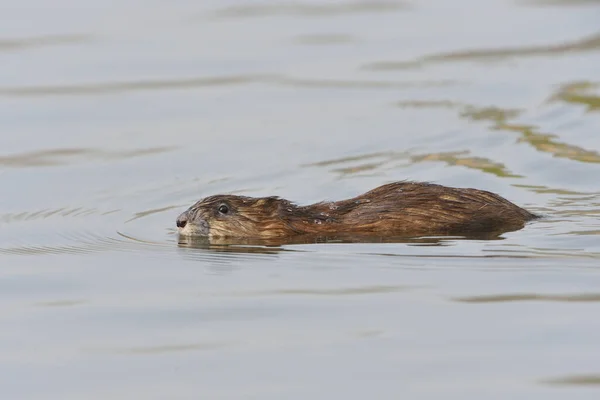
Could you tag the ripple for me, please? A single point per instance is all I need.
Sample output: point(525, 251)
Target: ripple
point(43, 228)
point(429, 104)
point(467, 111)
point(84, 89)
point(324, 39)
point(542, 189)
point(506, 298)
point(547, 143)
point(350, 291)
point(585, 233)
point(586, 44)
point(42, 41)
point(48, 213)
point(363, 84)
point(547, 253)
point(203, 247)
point(129, 86)
point(274, 246)
point(58, 157)
point(146, 213)
point(172, 348)
point(579, 93)
point(530, 134)
point(61, 303)
point(463, 159)
point(390, 160)
point(561, 3)
point(82, 242)
point(575, 380)
point(310, 10)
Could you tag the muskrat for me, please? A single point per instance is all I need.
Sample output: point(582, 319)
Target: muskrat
point(395, 209)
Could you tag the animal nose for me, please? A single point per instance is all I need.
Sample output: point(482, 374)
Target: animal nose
point(182, 220)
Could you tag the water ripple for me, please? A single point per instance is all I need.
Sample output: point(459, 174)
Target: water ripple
point(324, 39)
point(84, 242)
point(544, 142)
point(587, 44)
point(170, 348)
point(41, 41)
point(505, 298)
point(207, 82)
point(348, 291)
point(56, 157)
point(128, 86)
point(579, 93)
point(561, 3)
point(310, 10)
point(391, 160)
point(575, 380)
point(47, 213)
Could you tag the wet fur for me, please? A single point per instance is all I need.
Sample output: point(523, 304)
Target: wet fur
point(400, 208)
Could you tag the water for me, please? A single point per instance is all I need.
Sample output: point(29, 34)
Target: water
point(115, 118)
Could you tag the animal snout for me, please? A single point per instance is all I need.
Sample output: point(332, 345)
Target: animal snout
point(182, 220)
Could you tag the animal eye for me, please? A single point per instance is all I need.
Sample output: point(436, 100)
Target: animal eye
point(223, 209)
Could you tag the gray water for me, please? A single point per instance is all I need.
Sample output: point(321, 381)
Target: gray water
point(115, 117)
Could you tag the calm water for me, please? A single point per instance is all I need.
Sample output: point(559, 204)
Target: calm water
point(114, 119)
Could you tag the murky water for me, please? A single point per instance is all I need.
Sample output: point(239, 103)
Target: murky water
point(115, 118)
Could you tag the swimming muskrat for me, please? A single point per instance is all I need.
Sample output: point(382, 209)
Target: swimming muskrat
point(395, 209)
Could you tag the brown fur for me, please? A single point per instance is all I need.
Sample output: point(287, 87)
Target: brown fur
point(395, 209)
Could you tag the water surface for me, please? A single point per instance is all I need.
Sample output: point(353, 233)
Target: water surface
point(115, 118)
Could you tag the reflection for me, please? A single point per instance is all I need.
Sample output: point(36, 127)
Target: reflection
point(543, 142)
point(505, 298)
point(207, 82)
point(41, 41)
point(577, 380)
point(429, 104)
point(61, 303)
point(493, 114)
point(541, 189)
point(577, 204)
point(171, 348)
point(243, 246)
point(546, 143)
point(324, 39)
point(586, 233)
point(579, 93)
point(129, 86)
point(358, 84)
point(589, 43)
point(310, 9)
point(468, 111)
point(232, 246)
point(56, 157)
point(350, 159)
point(553, 252)
point(462, 159)
point(275, 246)
point(348, 291)
point(569, 3)
point(379, 160)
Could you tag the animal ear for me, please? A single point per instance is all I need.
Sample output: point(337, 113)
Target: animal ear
point(267, 202)
point(271, 205)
